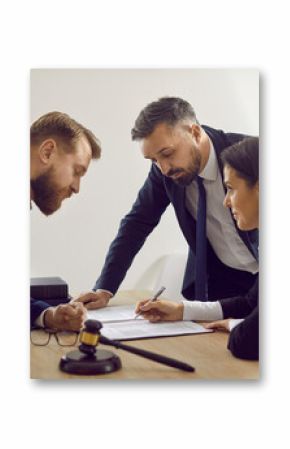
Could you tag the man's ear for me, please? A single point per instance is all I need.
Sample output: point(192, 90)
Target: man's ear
point(47, 150)
point(196, 131)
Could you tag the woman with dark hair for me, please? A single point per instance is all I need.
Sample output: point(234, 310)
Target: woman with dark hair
point(238, 315)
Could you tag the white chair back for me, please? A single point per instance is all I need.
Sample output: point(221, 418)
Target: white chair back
point(167, 271)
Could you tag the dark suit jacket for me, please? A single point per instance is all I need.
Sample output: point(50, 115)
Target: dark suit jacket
point(244, 338)
point(153, 198)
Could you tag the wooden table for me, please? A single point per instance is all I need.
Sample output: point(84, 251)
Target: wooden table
point(206, 352)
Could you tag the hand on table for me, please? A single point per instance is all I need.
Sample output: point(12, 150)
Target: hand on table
point(93, 300)
point(221, 324)
point(69, 317)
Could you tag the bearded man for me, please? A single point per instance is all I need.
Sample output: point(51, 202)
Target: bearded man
point(61, 150)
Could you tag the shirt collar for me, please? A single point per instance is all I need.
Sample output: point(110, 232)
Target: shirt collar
point(210, 171)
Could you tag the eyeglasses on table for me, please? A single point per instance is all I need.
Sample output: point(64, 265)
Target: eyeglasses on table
point(41, 337)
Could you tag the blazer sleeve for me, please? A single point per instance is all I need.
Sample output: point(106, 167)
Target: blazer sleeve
point(244, 339)
point(241, 306)
point(36, 307)
point(151, 202)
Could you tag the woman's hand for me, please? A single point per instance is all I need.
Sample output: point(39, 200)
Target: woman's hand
point(160, 310)
point(221, 324)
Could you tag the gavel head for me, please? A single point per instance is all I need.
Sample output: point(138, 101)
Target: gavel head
point(90, 336)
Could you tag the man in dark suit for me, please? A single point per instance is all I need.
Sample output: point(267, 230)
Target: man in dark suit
point(186, 172)
point(61, 150)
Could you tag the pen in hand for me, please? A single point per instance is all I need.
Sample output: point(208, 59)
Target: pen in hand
point(160, 291)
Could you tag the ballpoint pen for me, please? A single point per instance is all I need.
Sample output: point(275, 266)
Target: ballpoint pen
point(160, 291)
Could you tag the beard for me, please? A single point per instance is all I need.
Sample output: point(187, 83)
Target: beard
point(46, 194)
point(189, 174)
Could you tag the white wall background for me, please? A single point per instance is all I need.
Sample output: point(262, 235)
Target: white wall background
point(73, 242)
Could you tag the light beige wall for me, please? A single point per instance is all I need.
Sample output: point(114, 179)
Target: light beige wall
point(73, 242)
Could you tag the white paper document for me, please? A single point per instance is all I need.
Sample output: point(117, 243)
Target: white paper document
point(119, 324)
point(113, 313)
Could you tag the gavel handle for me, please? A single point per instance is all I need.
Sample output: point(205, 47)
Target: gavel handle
point(147, 354)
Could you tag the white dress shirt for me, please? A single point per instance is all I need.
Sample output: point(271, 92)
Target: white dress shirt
point(206, 311)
